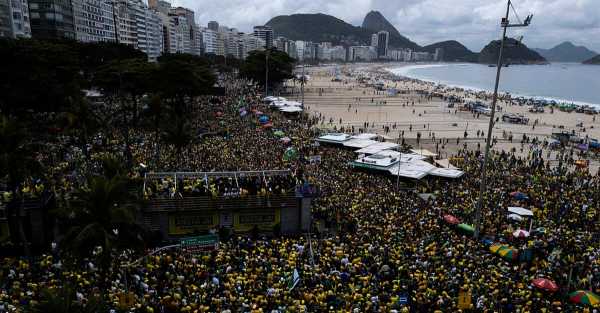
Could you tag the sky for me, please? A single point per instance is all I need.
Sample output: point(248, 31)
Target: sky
point(472, 22)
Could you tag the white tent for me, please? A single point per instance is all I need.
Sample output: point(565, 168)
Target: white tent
point(447, 172)
point(378, 147)
point(423, 152)
point(337, 138)
point(290, 109)
point(359, 143)
point(405, 170)
point(444, 163)
point(365, 136)
point(272, 98)
point(520, 211)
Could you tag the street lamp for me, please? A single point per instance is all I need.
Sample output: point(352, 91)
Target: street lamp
point(482, 187)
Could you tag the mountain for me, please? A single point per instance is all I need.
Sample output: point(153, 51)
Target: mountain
point(375, 21)
point(452, 51)
point(594, 60)
point(319, 28)
point(515, 52)
point(566, 52)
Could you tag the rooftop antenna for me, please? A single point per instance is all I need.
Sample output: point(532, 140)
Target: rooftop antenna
point(505, 23)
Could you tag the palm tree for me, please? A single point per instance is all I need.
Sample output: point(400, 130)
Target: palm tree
point(102, 214)
point(179, 134)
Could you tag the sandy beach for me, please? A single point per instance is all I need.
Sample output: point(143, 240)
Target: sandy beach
point(349, 103)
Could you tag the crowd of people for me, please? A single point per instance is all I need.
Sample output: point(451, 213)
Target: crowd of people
point(373, 248)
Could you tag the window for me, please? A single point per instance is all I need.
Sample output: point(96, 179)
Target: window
point(33, 6)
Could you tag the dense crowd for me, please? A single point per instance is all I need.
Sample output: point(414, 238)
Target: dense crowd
point(374, 248)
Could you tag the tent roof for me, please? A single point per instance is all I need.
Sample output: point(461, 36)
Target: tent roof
point(520, 211)
point(447, 172)
point(365, 136)
point(423, 152)
point(290, 109)
point(359, 143)
point(445, 163)
point(378, 147)
point(406, 171)
point(334, 137)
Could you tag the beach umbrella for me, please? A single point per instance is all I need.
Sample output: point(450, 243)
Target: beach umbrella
point(267, 125)
point(263, 119)
point(278, 133)
point(243, 113)
point(519, 195)
point(545, 284)
point(466, 228)
point(520, 233)
point(585, 297)
point(258, 112)
point(219, 114)
point(451, 219)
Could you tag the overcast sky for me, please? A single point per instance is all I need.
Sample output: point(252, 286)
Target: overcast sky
point(472, 22)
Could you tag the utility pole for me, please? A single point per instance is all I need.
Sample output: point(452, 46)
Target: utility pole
point(302, 85)
point(482, 187)
point(266, 71)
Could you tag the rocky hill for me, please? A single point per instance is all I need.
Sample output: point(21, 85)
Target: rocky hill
point(375, 21)
point(566, 52)
point(514, 53)
point(321, 27)
point(595, 60)
point(454, 51)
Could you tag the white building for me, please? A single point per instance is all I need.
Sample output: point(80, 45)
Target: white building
point(14, 19)
point(154, 35)
point(362, 53)
point(93, 21)
point(209, 41)
point(265, 33)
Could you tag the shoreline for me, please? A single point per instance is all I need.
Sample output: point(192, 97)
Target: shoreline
point(397, 70)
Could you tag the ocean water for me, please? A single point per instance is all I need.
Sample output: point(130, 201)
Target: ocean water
point(563, 82)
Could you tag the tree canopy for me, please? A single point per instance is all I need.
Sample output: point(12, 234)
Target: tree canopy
point(280, 64)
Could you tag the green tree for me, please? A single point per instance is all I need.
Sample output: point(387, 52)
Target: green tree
point(180, 78)
point(281, 66)
point(102, 213)
point(37, 75)
point(179, 134)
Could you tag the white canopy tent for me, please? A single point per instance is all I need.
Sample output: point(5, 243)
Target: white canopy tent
point(522, 212)
point(378, 147)
point(447, 172)
point(272, 98)
point(405, 170)
point(336, 138)
point(423, 152)
point(290, 109)
point(365, 136)
point(359, 143)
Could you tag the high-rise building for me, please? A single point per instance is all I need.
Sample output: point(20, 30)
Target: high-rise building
point(5, 19)
point(362, 53)
point(94, 20)
point(154, 35)
point(52, 19)
point(383, 39)
point(14, 19)
point(374, 40)
point(213, 25)
point(439, 55)
point(265, 33)
point(209, 41)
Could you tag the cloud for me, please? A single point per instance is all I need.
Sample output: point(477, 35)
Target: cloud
point(472, 22)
